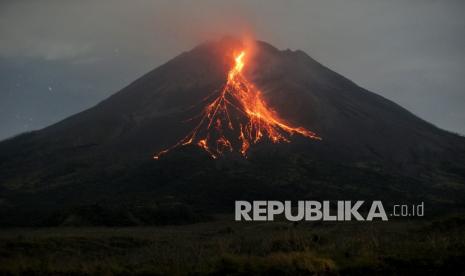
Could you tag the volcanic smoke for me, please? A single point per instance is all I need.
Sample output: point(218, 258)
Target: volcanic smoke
point(237, 119)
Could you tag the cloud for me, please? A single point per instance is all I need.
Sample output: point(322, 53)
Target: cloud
point(43, 49)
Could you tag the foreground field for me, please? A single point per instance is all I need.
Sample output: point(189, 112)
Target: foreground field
point(225, 247)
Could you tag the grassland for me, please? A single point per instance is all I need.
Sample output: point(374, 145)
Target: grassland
point(411, 247)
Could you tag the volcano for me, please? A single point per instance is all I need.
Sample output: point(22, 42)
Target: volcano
point(225, 123)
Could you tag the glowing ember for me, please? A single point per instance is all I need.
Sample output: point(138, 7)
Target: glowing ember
point(237, 119)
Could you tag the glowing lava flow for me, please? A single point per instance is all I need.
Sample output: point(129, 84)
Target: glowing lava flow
point(238, 118)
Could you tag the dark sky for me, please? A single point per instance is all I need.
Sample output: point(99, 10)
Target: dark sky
point(61, 57)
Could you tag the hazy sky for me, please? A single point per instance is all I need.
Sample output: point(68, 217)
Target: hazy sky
point(60, 57)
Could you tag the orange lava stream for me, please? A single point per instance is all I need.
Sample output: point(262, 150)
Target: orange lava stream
point(237, 119)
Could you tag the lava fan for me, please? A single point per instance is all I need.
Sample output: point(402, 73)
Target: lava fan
point(236, 118)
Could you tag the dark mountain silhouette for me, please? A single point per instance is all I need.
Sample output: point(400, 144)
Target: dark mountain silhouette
point(371, 147)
